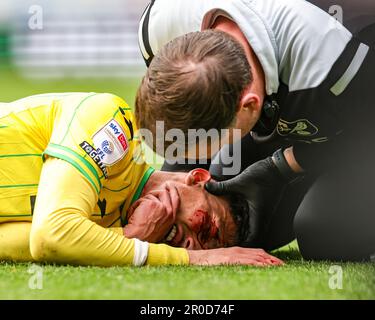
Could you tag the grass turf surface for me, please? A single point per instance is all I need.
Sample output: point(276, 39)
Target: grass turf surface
point(296, 280)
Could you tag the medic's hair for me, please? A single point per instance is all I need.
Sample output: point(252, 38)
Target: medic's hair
point(196, 81)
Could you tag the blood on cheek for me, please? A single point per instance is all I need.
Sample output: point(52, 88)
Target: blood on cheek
point(205, 229)
point(199, 218)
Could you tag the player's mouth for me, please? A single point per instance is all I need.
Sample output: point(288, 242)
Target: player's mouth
point(175, 235)
point(171, 235)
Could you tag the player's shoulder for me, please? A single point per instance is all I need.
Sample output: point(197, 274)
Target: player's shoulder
point(97, 107)
point(110, 97)
point(107, 100)
point(91, 116)
point(94, 132)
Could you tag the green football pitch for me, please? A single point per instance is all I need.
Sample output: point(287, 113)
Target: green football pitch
point(298, 279)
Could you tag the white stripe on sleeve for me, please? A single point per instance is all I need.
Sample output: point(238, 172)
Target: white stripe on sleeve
point(140, 252)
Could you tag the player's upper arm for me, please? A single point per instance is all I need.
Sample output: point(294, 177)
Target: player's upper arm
point(62, 232)
point(95, 136)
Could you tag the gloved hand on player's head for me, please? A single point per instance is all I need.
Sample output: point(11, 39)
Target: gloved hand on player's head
point(262, 185)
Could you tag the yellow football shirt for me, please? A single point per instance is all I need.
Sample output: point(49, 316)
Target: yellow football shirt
point(95, 134)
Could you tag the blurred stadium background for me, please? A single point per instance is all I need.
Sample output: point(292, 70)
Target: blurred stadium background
point(69, 45)
point(91, 46)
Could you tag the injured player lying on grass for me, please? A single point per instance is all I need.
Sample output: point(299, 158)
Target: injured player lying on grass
point(72, 191)
point(174, 210)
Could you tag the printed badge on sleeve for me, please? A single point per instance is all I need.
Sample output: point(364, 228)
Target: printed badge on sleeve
point(111, 143)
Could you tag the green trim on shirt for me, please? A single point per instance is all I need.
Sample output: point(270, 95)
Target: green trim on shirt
point(142, 184)
point(75, 165)
point(15, 215)
point(19, 186)
point(20, 155)
point(85, 161)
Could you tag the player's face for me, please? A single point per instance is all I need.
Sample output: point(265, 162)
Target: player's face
point(202, 221)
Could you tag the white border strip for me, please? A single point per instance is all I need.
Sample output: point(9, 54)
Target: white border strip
point(352, 70)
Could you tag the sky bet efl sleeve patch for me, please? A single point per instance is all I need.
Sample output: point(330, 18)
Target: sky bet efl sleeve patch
point(111, 143)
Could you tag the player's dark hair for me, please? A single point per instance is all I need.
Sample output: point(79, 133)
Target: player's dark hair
point(194, 82)
point(240, 212)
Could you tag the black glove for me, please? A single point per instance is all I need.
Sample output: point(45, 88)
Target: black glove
point(262, 185)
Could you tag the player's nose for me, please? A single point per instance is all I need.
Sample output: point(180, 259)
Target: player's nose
point(188, 243)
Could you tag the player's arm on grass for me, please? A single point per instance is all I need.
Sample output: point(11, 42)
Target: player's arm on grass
point(14, 241)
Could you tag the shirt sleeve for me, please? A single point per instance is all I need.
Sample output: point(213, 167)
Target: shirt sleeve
point(95, 135)
point(62, 231)
point(315, 158)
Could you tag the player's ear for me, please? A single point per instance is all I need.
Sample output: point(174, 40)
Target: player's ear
point(197, 176)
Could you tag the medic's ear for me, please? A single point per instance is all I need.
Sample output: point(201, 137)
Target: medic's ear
point(250, 101)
